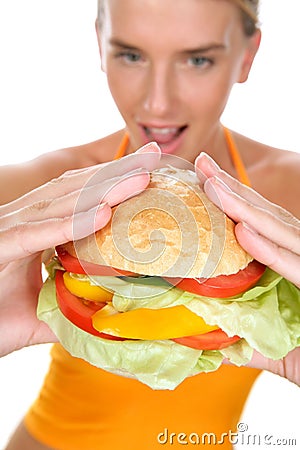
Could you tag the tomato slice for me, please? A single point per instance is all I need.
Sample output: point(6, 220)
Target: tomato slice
point(76, 311)
point(72, 264)
point(213, 340)
point(80, 314)
point(222, 286)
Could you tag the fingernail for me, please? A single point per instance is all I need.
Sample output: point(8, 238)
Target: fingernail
point(84, 222)
point(208, 160)
point(101, 206)
point(205, 167)
point(151, 147)
point(217, 181)
point(212, 193)
point(211, 186)
point(248, 227)
point(134, 172)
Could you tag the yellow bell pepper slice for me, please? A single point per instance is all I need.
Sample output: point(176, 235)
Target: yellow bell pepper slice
point(151, 324)
point(84, 289)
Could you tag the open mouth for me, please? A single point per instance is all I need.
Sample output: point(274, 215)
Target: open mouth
point(163, 135)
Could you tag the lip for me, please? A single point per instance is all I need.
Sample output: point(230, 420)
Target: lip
point(169, 137)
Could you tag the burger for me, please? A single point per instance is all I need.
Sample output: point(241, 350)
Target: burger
point(164, 291)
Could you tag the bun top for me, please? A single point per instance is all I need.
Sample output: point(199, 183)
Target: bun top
point(170, 229)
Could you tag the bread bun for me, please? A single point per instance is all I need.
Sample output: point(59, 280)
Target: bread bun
point(170, 229)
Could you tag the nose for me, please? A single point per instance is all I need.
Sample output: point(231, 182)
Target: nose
point(159, 92)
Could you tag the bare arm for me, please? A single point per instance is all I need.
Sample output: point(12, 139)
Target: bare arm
point(17, 179)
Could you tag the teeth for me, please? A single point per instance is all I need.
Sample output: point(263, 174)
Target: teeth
point(162, 130)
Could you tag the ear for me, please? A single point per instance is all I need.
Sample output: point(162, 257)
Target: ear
point(250, 52)
point(98, 33)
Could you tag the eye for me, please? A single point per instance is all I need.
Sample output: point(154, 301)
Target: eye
point(129, 56)
point(200, 61)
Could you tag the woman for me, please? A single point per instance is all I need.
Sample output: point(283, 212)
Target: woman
point(170, 68)
point(250, 210)
point(279, 249)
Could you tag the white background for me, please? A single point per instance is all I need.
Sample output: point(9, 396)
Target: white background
point(53, 95)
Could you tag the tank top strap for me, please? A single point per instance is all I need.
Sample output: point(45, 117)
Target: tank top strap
point(236, 158)
point(232, 148)
point(122, 147)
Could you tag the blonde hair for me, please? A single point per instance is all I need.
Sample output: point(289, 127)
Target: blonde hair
point(248, 8)
point(249, 11)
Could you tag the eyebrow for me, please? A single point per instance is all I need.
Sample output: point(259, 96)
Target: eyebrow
point(118, 43)
point(204, 49)
point(189, 51)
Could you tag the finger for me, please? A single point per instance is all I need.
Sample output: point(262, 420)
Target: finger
point(148, 158)
point(206, 168)
point(124, 178)
point(113, 191)
point(124, 188)
point(283, 261)
point(287, 367)
point(263, 221)
point(27, 238)
point(58, 187)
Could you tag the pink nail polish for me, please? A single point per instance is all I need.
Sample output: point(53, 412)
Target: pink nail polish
point(151, 147)
point(209, 161)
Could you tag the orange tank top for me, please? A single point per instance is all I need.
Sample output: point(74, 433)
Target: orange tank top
point(82, 407)
point(232, 149)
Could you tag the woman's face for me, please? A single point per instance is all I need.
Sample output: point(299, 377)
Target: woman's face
point(171, 65)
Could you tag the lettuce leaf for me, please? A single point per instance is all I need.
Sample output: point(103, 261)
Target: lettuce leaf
point(158, 364)
point(267, 317)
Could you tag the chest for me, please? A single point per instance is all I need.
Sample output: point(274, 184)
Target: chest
point(279, 185)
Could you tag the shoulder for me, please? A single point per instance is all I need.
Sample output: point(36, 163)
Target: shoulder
point(100, 151)
point(56, 162)
point(283, 180)
point(273, 172)
point(96, 152)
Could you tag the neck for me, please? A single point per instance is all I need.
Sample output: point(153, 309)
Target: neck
point(216, 146)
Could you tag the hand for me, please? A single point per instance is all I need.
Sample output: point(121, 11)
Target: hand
point(44, 218)
point(266, 231)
